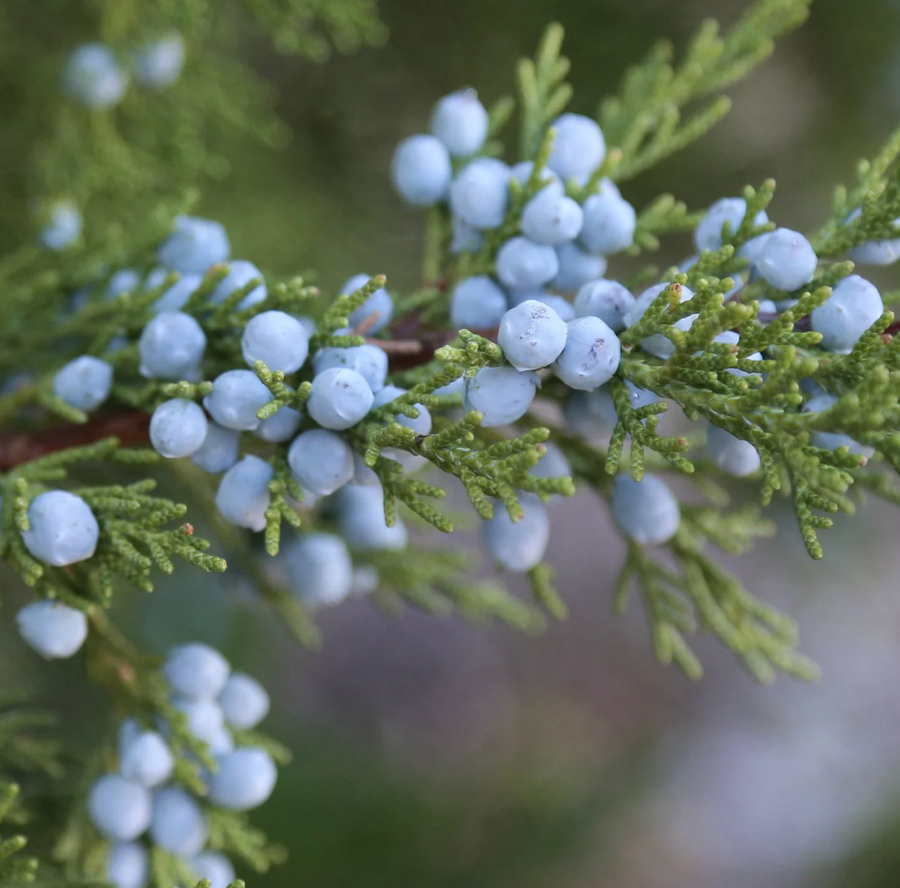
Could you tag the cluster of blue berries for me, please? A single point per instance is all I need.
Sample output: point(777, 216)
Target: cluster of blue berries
point(94, 76)
point(347, 384)
point(62, 531)
point(62, 227)
point(561, 247)
point(584, 353)
point(141, 798)
point(562, 243)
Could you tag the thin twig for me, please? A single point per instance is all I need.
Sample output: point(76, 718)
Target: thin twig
point(132, 428)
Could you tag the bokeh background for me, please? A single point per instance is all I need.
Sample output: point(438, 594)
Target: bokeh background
point(432, 753)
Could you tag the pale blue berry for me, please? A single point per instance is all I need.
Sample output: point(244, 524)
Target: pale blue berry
point(117, 343)
point(205, 719)
point(362, 474)
point(592, 413)
point(361, 521)
point(421, 170)
point(94, 77)
point(54, 630)
point(607, 300)
point(171, 347)
point(281, 426)
point(531, 335)
point(128, 865)
point(221, 742)
point(321, 461)
point(810, 387)
point(309, 325)
point(194, 245)
point(658, 344)
point(177, 296)
point(147, 759)
point(501, 394)
point(240, 274)
point(559, 304)
point(158, 64)
point(219, 451)
point(339, 398)
point(591, 354)
point(451, 388)
point(215, 867)
point(730, 453)
point(477, 303)
point(84, 383)
point(730, 337)
point(465, 238)
point(63, 228)
point(645, 510)
point(553, 464)
point(751, 251)
point(578, 147)
point(833, 440)
point(365, 580)
point(129, 730)
point(386, 395)
point(277, 339)
point(708, 234)
point(460, 121)
point(244, 701)
point(609, 224)
point(177, 428)
point(379, 303)
point(196, 671)
point(235, 398)
point(62, 528)
point(369, 361)
point(880, 252)
point(550, 218)
point(854, 305)
point(517, 546)
point(787, 260)
point(523, 264)
point(244, 779)
point(576, 267)
point(126, 280)
point(522, 171)
point(479, 195)
point(178, 825)
point(420, 424)
point(120, 809)
point(319, 569)
point(243, 495)
point(608, 189)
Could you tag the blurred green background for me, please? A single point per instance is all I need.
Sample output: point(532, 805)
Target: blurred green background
point(432, 753)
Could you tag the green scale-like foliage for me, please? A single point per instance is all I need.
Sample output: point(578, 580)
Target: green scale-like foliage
point(132, 169)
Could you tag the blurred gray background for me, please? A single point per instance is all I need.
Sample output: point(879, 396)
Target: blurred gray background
point(433, 753)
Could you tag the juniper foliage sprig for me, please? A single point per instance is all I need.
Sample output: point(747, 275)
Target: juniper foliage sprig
point(643, 121)
point(754, 389)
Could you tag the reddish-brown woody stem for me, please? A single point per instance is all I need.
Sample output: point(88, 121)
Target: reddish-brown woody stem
point(17, 448)
point(132, 428)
